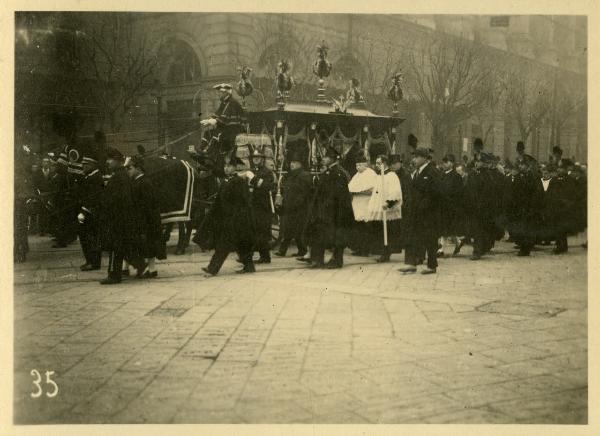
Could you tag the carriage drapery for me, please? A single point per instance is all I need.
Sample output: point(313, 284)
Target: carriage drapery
point(308, 129)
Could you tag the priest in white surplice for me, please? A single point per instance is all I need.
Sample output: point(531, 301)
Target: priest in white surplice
point(361, 187)
point(386, 202)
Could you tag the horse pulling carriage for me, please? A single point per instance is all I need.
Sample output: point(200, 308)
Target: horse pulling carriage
point(306, 129)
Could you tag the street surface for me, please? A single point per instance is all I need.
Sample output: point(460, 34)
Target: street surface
point(502, 340)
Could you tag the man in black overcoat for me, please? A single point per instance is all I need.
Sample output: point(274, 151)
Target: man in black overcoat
point(147, 207)
point(229, 225)
point(296, 195)
point(119, 221)
point(481, 205)
point(560, 211)
point(424, 214)
point(262, 185)
point(452, 192)
point(524, 212)
point(330, 217)
point(90, 192)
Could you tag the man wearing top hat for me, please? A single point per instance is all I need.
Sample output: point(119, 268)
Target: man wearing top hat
point(296, 193)
point(424, 215)
point(229, 225)
point(481, 205)
point(227, 120)
point(530, 161)
point(119, 220)
point(524, 212)
point(90, 190)
point(330, 216)
point(262, 183)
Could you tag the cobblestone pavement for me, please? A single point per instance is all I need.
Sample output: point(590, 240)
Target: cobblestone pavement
point(502, 340)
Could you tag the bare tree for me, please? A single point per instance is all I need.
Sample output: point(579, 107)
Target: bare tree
point(492, 91)
point(569, 94)
point(528, 100)
point(446, 77)
point(382, 62)
point(119, 63)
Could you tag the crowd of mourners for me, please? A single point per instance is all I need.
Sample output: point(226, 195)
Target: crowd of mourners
point(373, 206)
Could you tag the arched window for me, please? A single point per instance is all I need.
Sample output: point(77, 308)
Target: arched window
point(181, 62)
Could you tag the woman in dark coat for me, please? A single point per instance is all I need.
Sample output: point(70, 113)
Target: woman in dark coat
point(147, 206)
point(296, 190)
point(229, 225)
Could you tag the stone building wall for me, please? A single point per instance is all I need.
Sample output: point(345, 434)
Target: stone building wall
point(368, 46)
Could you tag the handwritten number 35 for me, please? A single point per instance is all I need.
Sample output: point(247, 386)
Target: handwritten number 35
point(38, 379)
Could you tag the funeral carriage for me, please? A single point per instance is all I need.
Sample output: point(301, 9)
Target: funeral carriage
point(309, 129)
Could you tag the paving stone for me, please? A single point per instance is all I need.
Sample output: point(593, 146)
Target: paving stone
point(359, 345)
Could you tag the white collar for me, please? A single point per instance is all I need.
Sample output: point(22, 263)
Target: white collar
point(93, 172)
point(138, 176)
point(422, 167)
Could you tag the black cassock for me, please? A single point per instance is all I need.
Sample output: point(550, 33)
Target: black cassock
point(296, 191)
point(524, 212)
point(260, 187)
point(90, 191)
point(423, 220)
point(147, 206)
point(229, 225)
point(452, 190)
point(118, 223)
point(330, 217)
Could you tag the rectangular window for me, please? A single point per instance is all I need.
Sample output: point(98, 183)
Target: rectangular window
point(499, 21)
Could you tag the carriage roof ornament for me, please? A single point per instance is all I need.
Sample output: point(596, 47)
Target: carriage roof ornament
point(395, 93)
point(244, 85)
point(284, 82)
point(322, 68)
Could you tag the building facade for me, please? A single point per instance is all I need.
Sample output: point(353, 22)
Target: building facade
point(197, 50)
